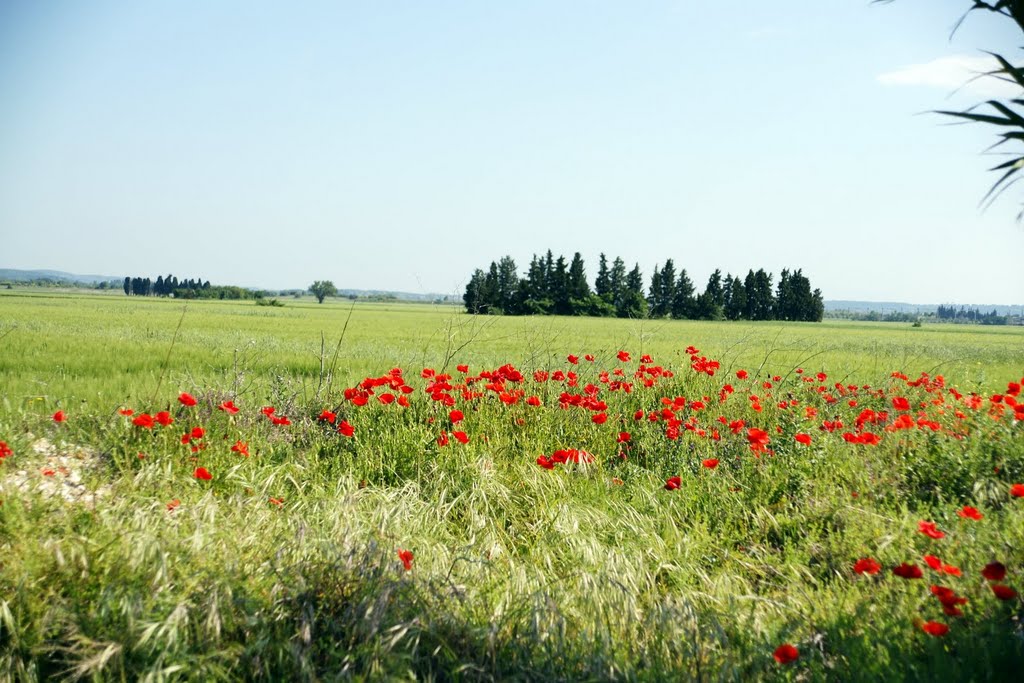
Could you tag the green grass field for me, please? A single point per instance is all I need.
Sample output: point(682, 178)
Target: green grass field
point(105, 349)
point(560, 528)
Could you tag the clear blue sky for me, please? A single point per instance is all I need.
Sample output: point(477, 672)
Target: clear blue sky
point(399, 145)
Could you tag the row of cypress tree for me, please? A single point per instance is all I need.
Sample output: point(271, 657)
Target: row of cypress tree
point(969, 314)
point(164, 286)
point(560, 287)
point(185, 289)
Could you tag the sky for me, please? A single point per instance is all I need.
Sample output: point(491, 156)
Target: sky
point(400, 145)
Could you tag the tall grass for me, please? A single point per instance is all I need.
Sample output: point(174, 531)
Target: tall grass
point(284, 566)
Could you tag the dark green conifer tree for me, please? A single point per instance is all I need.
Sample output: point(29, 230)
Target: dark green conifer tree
point(654, 303)
point(633, 304)
point(507, 284)
point(603, 283)
point(736, 301)
point(683, 303)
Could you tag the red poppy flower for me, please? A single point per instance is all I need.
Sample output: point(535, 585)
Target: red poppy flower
point(327, 416)
point(805, 439)
point(573, 359)
point(623, 356)
point(173, 505)
point(461, 437)
point(164, 418)
point(672, 483)
point(197, 433)
point(145, 420)
point(994, 571)
point(546, 462)
point(933, 562)
point(935, 628)
point(5, 450)
point(866, 565)
point(757, 437)
point(533, 401)
point(599, 418)
point(900, 403)
point(623, 437)
point(277, 501)
point(1003, 592)
point(1017, 490)
point(127, 412)
point(228, 407)
point(281, 420)
point(186, 399)
point(929, 530)
point(741, 374)
point(442, 440)
point(268, 410)
point(241, 447)
point(908, 571)
point(406, 557)
point(967, 512)
point(456, 416)
point(59, 416)
point(202, 473)
point(786, 654)
point(710, 463)
point(345, 429)
point(462, 368)
point(572, 455)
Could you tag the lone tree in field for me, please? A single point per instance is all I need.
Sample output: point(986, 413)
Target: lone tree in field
point(322, 289)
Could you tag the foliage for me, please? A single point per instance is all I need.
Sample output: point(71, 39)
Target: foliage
point(59, 283)
point(943, 313)
point(552, 287)
point(184, 289)
point(961, 314)
point(322, 289)
point(1007, 115)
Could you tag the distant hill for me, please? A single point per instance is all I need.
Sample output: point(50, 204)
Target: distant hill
point(903, 307)
point(401, 296)
point(14, 275)
point(831, 305)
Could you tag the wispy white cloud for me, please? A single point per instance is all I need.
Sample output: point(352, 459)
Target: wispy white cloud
point(965, 74)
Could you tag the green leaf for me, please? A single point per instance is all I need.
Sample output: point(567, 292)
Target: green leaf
point(979, 118)
point(1011, 115)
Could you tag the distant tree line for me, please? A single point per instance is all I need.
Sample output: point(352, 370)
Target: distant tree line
point(971, 315)
point(560, 287)
point(184, 289)
point(54, 282)
point(877, 316)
